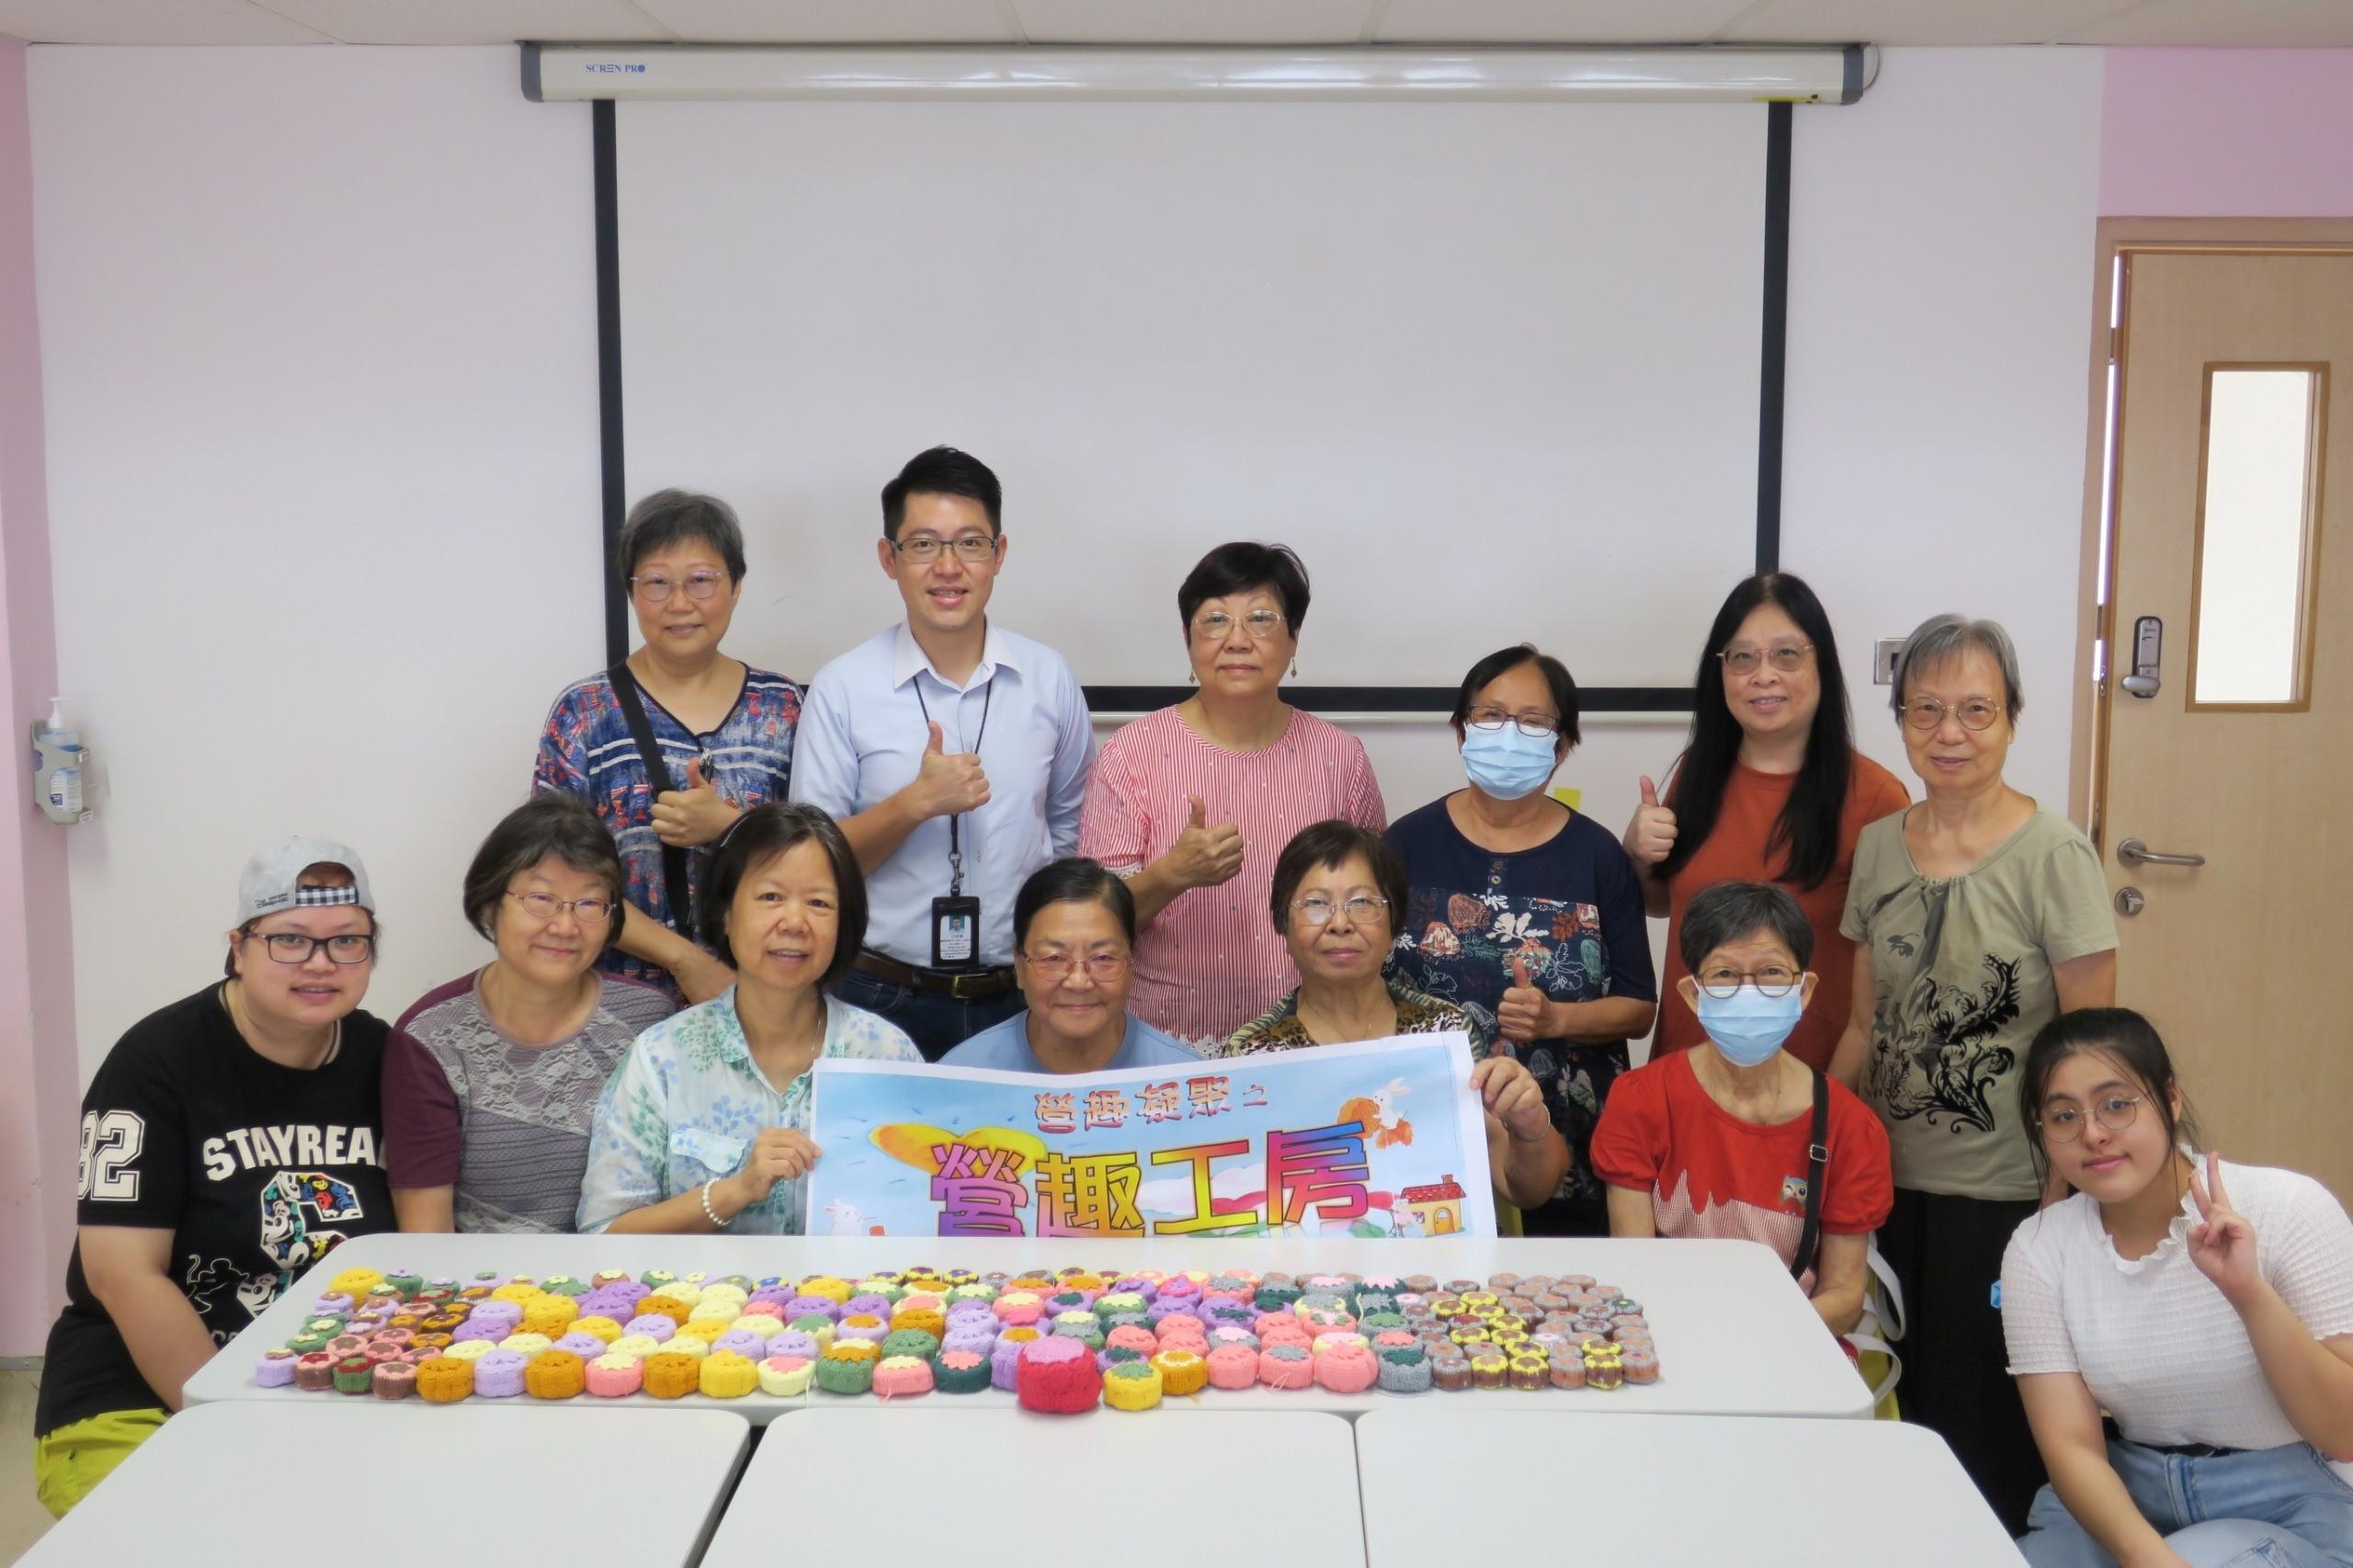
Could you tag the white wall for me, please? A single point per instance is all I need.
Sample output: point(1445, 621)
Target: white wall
point(318, 334)
point(319, 337)
point(1941, 265)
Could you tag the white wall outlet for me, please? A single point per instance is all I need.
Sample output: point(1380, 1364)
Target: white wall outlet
point(1883, 655)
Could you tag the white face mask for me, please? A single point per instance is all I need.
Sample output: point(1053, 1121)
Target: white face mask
point(1748, 1027)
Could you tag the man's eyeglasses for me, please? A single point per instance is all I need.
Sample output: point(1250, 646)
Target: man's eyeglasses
point(923, 550)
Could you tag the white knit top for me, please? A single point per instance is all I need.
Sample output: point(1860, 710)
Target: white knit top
point(2154, 1340)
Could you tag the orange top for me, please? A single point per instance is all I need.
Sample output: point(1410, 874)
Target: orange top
point(1735, 851)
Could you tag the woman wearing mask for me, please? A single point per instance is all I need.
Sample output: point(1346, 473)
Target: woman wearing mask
point(1769, 789)
point(1527, 915)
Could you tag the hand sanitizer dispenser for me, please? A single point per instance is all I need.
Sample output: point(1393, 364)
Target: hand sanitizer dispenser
point(58, 761)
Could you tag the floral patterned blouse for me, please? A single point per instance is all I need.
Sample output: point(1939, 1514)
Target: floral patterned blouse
point(1418, 1012)
point(688, 1100)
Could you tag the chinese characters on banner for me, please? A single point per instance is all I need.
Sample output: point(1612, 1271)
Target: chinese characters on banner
point(1381, 1138)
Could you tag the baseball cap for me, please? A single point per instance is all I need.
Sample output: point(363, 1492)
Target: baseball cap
point(267, 886)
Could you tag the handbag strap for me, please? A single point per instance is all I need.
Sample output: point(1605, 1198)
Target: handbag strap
point(657, 777)
point(1817, 1154)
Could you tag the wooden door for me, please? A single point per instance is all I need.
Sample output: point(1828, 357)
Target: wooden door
point(2243, 752)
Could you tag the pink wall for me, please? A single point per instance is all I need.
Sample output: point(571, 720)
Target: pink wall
point(2227, 133)
point(40, 1078)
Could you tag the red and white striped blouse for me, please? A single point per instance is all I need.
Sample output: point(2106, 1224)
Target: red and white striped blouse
point(1212, 960)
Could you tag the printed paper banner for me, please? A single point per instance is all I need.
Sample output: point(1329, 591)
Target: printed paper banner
point(1374, 1139)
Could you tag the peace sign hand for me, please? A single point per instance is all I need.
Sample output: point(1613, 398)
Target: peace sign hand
point(2223, 1242)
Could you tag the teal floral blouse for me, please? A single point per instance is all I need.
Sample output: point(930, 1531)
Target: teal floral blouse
point(688, 1101)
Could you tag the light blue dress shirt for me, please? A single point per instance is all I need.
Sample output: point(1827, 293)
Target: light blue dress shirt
point(1006, 1046)
point(862, 740)
point(687, 1102)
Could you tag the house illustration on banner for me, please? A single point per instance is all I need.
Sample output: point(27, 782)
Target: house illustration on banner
point(1438, 1207)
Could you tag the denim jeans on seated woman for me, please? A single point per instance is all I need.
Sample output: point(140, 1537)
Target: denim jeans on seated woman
point(2281, 1507)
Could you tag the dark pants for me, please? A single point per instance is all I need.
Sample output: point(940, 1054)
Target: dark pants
point(1946, 1253)
point(937, 1024)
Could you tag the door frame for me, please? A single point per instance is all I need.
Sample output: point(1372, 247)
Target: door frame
point(2095, 622)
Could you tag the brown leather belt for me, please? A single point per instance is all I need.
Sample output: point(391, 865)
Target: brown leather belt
point(963, 984)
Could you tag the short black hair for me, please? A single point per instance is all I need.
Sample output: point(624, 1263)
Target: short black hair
point(942, 470)
point(1727, 911)
point(760, 835)
point(1328, 844)
point(1073, 878)
point(1242, 565)
point(670, 517)
point(546, 826)
point(1556, 675)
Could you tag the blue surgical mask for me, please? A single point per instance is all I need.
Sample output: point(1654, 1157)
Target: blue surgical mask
point(1748, 1027)
point(1505, 763)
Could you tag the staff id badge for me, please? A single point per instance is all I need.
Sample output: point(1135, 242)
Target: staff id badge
point(955, 932)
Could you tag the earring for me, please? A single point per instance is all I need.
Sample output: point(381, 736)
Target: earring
point(1192, 677)
point(1294, 666)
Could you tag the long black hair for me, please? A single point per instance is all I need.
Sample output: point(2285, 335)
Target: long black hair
point(1806, 833)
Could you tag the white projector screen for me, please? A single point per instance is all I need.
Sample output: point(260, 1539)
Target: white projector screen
point(1491, 368)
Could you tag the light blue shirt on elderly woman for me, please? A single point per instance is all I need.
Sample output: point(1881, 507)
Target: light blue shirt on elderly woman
point(687, 1103)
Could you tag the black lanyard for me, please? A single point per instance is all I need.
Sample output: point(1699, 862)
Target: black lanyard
point(955, 841)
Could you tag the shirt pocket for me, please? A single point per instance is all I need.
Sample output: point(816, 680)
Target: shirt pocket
point(715, 1154)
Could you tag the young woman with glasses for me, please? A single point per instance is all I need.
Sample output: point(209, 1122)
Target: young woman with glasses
point(1335, 888)
point(721, 731)
point(1527, 915)
point(229, 1141)
point(1074, 940)
point(1978, 918)
point(1770, 788)
point(2205, 1307)
point(491, 1081)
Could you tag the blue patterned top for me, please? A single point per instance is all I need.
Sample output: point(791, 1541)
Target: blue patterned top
point(688, 1100)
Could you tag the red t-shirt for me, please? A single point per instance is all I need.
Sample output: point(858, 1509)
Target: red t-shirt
point(1734, 851)
point(1710, 1173)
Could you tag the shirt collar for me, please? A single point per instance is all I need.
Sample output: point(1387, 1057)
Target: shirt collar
point(907, 657)
point(736, 1047)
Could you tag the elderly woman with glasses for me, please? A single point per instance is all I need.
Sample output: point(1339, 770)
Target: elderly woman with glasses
point(1977, 917)
point(491, 1081)
point(1192, 805)
point(1073, 940)
point(1527, 915)
point(676, 741)
point(1335, 888)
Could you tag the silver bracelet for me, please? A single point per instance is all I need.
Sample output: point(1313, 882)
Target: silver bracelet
point(707, 1211)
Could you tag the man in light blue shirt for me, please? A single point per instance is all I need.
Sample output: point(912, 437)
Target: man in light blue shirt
point(1075, 931)
point(954, 754)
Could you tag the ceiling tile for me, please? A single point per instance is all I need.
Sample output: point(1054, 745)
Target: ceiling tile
point(471, 21)
point(1194, 21)
point(1555, 21)
point(149, 21)
point(2248, 24)
point(1916, 22)
point(835, 21)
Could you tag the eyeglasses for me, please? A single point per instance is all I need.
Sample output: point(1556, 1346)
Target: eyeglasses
point(1536, 726)
point(923, 550)
point(1771, 981)
point(654, 588)
point(2115, 1112)
point(1053, 969)
point(1975, 713)
point(1361, 909)
point(588, 911)
point(292, 947)
point(1786, 657)
point(1263, 625)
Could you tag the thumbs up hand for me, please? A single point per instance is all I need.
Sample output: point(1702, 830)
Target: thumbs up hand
point(1203, 856)
point(696, 815)
point(947, 783)
point(1521, 1014)
point(1650, 837)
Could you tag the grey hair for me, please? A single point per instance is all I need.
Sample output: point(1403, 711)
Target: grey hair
point(1941, 638)
point(679, 517)
point(1727, 911)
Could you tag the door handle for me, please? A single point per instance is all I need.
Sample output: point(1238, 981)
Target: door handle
point(2133, 852)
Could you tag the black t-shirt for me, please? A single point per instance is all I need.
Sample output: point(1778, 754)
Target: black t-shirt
point(255, 1169)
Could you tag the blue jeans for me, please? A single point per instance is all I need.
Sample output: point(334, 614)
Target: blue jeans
point(2280, 1507)
point(937, 1024)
